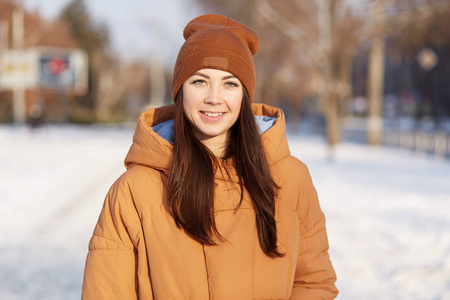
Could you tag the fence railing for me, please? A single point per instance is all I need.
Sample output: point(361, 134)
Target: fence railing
point(429, 142)
point(432, 143)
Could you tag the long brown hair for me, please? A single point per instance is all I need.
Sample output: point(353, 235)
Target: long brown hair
point(191, 179)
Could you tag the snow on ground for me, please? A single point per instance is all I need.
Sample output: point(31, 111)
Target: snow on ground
point(388, 212)
point(52, 185)
point(388, 219)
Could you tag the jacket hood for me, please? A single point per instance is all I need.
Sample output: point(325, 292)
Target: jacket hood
point(152, 150)
point(148, 148)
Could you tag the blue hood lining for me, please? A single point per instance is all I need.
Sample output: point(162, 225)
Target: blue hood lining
point(165, 129)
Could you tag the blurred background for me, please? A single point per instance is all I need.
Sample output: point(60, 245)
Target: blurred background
point(372, 71)
point(364, 84)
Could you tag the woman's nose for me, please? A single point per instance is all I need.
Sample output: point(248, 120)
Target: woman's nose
point(214, 95)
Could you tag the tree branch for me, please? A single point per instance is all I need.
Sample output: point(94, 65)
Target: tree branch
point(290, 30)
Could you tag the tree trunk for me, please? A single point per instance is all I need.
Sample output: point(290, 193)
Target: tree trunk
point(327, 95)
point(332, 118)
point(376, 78)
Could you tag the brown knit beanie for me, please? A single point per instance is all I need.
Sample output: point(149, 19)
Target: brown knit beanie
point(217, 42)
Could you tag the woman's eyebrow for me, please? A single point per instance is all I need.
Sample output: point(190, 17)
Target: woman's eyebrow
point(207, 76)
point(228, 77)
point(201, 74)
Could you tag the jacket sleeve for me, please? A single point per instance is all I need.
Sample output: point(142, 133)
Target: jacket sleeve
point(314, 276)
point(112, 270)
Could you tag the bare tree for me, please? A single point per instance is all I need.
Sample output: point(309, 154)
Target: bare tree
point(329, 36)
point(94, 39)
point(116, 82)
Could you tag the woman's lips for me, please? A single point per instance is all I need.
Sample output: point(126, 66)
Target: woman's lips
point(211, 116)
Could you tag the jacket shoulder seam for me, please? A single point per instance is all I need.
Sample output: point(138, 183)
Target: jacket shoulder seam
point(116, 242)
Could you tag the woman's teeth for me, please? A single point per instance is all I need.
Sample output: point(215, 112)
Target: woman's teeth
point(213, 114)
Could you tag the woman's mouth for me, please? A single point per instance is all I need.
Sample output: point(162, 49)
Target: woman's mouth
point(214, 115)
point(209, 116)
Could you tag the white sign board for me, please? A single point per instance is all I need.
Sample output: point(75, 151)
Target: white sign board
point(18, 69)
point(54, 68)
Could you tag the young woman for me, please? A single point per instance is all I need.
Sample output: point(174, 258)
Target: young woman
point(212, 205)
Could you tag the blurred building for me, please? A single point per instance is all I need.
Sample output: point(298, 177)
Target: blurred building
point(41, 64)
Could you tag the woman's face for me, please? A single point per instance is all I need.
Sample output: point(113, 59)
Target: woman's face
point(211, 103)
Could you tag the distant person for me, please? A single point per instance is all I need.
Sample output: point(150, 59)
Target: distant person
point(212, 205)
point(36, 117)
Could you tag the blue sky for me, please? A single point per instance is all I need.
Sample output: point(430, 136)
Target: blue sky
point(137, 27)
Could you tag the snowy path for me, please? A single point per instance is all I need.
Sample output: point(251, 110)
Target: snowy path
point(388, 212)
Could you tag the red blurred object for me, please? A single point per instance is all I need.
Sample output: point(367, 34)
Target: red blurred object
point(56, 65)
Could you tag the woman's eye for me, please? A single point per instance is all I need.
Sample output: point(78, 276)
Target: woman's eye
point(231, 84)
point(198, 81)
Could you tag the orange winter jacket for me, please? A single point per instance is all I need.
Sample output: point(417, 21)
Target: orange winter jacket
point(137, 251)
